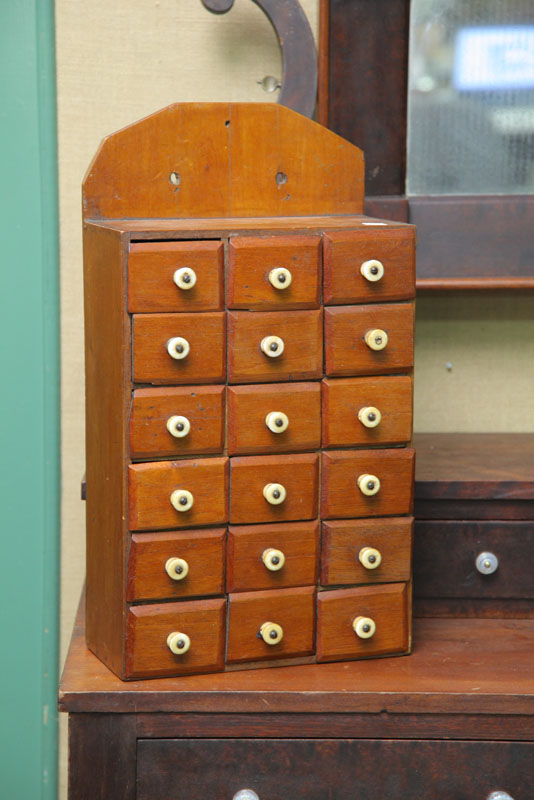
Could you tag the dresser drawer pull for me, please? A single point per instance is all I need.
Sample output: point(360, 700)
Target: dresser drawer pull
point(370, 558)
point(272, 346)
point(185, 278)
point(245, 794)
point(376, 339)
point(182, 500)
point(372, 270)
point(487, 563)
point(271, 633)
point(280, 278)
point(176, 568)
point(178, 643)
point(368, 485)
point(499, 796)
point(178, 426)
point(364, 627)
point(178, 347)
point(273, 559)
point(369, 416)
point(277, 421)
point(274, 493)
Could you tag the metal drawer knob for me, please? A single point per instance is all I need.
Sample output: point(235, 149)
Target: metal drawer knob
point(273, 559)
point(176, 568)
point(274, 493)
point(369, 416)
point(364, 627)
point(178, 347)
point(245, 794)
point(185, 278)
point(370, 558)
point(368, 485)
point(277, 421)
point(271, 633)
point(376, 339)
point(487, 563)
point(280, 278)
point(272, 346)
point(178, 426)
point(499, 796)
point(178, 643)
point(372, 270)
point(182, 500)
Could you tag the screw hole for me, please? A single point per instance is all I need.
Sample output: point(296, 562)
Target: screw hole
point(281, 178)
point(175, 178)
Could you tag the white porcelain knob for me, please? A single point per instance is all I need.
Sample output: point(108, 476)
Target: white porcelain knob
point(277, 421)
point(280, 278)
point(274, 493)
point(176, 568)
point(369, 416)
point(272, 346)
point(245, 794)
point(178, 347)
point(178, 643)
point(271, 633)
point(487, 563)
point(372, 270)
point(273, 559)
point(178, 426)
point(498, 795)
point(182, 500)
point(364, 627)
point(185, 278)
point(370, 558)
point(376, 339)
point(368, 485)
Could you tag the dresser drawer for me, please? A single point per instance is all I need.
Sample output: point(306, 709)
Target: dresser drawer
point(347, 330)
point(176, 421)
point(176, 565)
point(274, 272)
point(175, 276)
point(366, 411)
point(351, 271)
point(298, 356)
point(202, 484)
point(363, 621)
point(255, 427)
point(284, 620)
point(350, 487)
point(272, 556)
point(274, 488)
point(148, 629)
point(201, 337)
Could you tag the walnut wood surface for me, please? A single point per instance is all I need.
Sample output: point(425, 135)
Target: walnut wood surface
point(102, 757)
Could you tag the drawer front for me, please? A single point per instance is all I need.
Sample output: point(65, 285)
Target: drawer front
point(176, 565)
point(346, 328)
point(366, 551)
point(158, 427)
point(152, 485)
point(254, 427)
point(274, 272)
point(205, 338)
point(149, 627)
point(346, 262)
point(382, 609)
point(295, 475)
point(291, 610)
point(301, 333)
point(352, 406)
point(175, 276)
point(272, 556)
point(343, 497)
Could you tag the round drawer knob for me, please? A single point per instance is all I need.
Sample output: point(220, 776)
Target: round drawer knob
point(271, 633)
point(277, 421)
point(176, 568)
point(498, 795)
point(178, 347)
point(185, 278)
point(372, 270)
point(178, 643)
point(376, 339)
point(364, 627)
point(368, 485)
point(273, 559)
point(369, 416)
point(178, 426)
point(274, 493)
point(370, 558)
point(245, 794)
point(182, 500)
point(487, 563)
point(272, 346)
point(280, 278)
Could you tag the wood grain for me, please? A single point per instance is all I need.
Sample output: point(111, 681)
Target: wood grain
point(102, 757)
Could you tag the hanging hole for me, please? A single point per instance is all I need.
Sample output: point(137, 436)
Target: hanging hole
point(175, 178)
point(281, 178)
point(227, 123)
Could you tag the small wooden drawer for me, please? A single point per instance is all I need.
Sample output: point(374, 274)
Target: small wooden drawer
point(276, 418)
point(361, 622)
point(272, 556)
point(175, 276)
point(148, 629)
point(254, 478)
point(346, 329)
point(201, 336)
point(366, 411)
point(301, 346)
point(292, 611)
point(176, 565)
point(204, 482)
point(177, 421)
point(366, 551)
point(348, 476)
point(350, 256)
point(274, 272)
